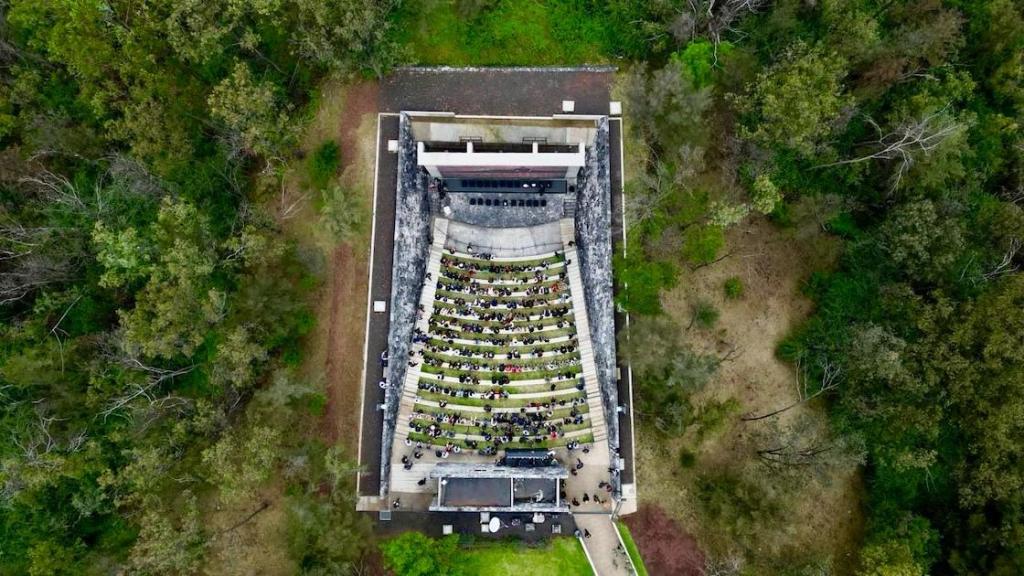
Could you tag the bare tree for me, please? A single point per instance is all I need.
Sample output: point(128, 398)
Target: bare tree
point(909, 140)
point(729, 565)
point(28, 275)
point(56, 189)
point(805, 445)
point(1006, 265)
point(711, 18)
point(146, 388)
point(18, 240)
point(647, 196)
point(807, 390)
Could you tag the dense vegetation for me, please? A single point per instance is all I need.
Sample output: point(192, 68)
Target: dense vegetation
point(896, 127)
point(153, 310)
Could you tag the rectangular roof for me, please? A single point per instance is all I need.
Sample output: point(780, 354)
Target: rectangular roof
point(476, 492)
point(471, 470)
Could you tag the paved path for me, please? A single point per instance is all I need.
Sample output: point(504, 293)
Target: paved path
point(505, 243)
point(378, 324)
point(405, 481)
point(603, 546)
point(502, 91)
point(579, 310)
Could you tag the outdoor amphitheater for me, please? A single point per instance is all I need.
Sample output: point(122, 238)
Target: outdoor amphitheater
point(500, 400)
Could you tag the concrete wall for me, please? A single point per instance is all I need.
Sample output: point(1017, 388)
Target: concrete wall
point(594, 249)
point(412, 246)
point(557, 131)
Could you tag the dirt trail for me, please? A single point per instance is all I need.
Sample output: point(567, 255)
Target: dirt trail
point(343, 309)
point(772, 264)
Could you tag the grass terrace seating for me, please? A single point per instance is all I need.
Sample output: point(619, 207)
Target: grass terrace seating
point(500, 362)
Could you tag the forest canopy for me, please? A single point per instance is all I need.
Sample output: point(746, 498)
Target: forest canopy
point(154, 311)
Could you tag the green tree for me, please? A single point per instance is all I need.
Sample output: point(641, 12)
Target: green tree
point(166, 546)
point(338, 34)
point(414, 554)
point(249, 109)
point(175, 308)
point(124, 256)
point(343, 212)
point(889, 559)
point(921, 242)
point(238, 465)
point(641, 282)
point(795, 103)
point(764, 194)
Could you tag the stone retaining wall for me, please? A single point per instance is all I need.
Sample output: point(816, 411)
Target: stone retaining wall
point(594, 249)
point(412, 246)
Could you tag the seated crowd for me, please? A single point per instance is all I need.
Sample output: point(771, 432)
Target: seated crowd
point(500, 361)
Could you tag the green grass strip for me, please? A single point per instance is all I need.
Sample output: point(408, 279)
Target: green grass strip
point(556, 414)
point(509, 337)
point(554, 375)
point(496, 262)
point(456, 286)
point(494, 362)
point(479, 349)
point(498, 324)
point(519, 312)
point(550, 297)
point(631, 549)
point(512, 390)
point(456, 273)
point(479, 430)
point(443, 441)
point(502, 403)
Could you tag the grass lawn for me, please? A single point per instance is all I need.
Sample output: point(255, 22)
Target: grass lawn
point(560, 557)
point(634, 552)
point(511, 32)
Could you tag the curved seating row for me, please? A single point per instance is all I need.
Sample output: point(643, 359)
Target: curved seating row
point(500, 360)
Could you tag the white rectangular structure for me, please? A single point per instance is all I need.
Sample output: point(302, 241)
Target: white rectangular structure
point(543, 164)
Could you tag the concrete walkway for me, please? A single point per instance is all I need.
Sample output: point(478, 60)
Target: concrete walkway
point(604, 547)
point(504, 243)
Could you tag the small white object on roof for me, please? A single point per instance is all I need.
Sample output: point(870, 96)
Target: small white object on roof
point(495, 524)
point(615, 108)
point(392, 145)
point(568, 105)
point(446, 529)
point(380, 306)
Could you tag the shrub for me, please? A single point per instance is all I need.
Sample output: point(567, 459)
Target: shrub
point(687, 459)
point(712, 417)
point(702, 243)
point(733, 288)
point(323, 164)
point(741, 506)
point(705, 314)
point(343, 213)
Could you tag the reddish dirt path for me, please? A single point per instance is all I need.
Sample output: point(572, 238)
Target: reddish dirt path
point(345, 290)
point(664, 546)
point(362, 98)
